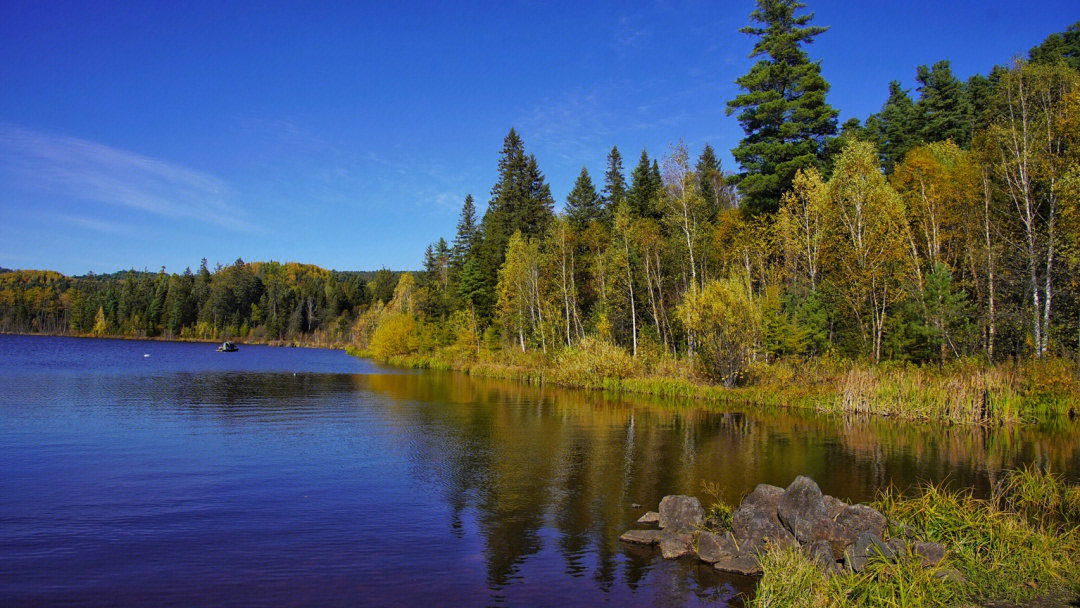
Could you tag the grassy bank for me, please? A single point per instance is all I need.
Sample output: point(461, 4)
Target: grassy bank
point(965, 391)
point(1020, 546)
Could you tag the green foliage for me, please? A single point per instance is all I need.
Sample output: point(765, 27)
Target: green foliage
point(719, 512)
point(394, 336)
point(783, 111)
point(645, 188)
point(1063, 47)
point(894, 128)
point(725, 325)
point(583, 204)
point(997, 550)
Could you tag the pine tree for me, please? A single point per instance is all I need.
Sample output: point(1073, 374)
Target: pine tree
point(1059, 47)
point(895, 126)
point(941, 113)
point(467, 232)
point(520, 200)
point(783, 112)
point(614, 183)
point(644, 185)
point(710, 180)
point(583, 205)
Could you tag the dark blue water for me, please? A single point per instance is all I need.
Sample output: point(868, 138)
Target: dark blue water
point(139, 473)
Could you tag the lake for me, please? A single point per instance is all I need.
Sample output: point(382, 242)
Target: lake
point(135, 473)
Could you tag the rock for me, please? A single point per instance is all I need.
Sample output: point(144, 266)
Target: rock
point(930, 554)
point(650, 518)
point(641, 537)
point(764, 499)
point(898, 546)
point(861, 518)
point(952, 575)
point(834, 506)
point(838, 537)
point(674, 545)
point(712, 548)
point(744, 563)
point(681, 513)
point(802, 508)
point(867, 546)
point(755, 523)
point(822, 554)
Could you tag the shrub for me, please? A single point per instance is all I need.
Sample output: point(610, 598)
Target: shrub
point(395, 335)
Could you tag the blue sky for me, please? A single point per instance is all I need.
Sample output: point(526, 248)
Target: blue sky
point(150, 134)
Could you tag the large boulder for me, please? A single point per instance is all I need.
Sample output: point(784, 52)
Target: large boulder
point(755, 523)
point(861, 518)
point(641, 537)
point(836, 536)
point(802, 509)
point(674, 545)
point(681, 513)
point(834, 506)
point(712, 548)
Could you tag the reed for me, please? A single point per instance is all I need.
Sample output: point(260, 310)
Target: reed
point(963, 392)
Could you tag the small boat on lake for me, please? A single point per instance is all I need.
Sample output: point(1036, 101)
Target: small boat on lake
point(227, 347)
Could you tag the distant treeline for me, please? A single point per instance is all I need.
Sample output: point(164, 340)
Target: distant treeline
point(259, 301)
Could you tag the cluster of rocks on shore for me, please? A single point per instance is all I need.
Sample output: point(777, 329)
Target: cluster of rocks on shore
point(835, 534)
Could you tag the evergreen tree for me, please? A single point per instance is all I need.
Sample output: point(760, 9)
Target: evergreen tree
point(710, 180)
point(614, 183)
point(520, 200)
point(783, 112)
point(645, 184)
point(941, 112)
point(583, 205)
point(895, 126)
point(1059, 47)
point(467, 232)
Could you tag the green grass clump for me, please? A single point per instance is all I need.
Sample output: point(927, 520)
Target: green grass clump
point(1045, 499)
point(1022, 542)
point(1001, 552)
point(792, 580)
point(718, 514)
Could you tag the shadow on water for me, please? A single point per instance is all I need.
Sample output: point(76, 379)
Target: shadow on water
point(528, 458)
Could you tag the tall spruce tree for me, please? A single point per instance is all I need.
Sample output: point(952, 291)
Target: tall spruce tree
point(583, 205)
point(941, 112)
point(783, 112)
point(520, 200)
point(710, 180)
point(644, 185)
point(614, 184)
point(467, 232)
point(895, 126)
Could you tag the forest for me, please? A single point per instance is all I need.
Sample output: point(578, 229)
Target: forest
point(261, 301)
point(944, 228)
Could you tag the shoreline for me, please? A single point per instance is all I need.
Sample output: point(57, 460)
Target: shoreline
point(976, 395)
point(274, 343)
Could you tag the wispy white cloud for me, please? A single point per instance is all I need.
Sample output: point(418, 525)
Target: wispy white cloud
point(90, 171)
point(104, 226)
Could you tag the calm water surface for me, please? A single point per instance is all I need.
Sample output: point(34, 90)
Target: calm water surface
point(136, 473)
